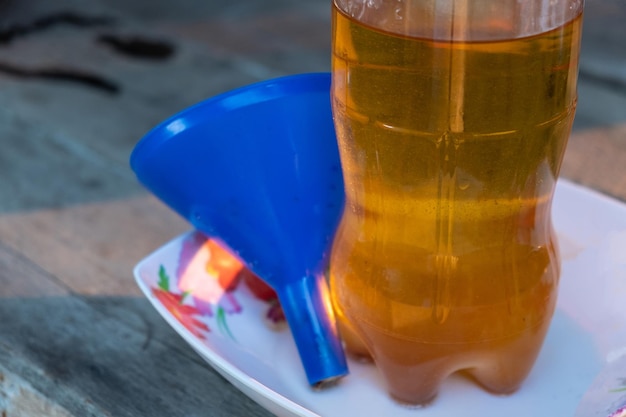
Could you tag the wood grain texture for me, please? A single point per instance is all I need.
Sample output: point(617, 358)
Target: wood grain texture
point(597, 158)
point(78, 335)
point(104, 240)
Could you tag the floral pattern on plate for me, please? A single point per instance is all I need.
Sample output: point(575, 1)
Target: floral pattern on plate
point(587, 332)
point(203, 287)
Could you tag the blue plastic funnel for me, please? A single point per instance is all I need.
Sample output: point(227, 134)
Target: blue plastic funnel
point(258, 168)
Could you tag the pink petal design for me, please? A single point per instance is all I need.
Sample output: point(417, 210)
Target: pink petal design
point(230, 304)
point(203, 307)
point(193, 277)
point(190, 247)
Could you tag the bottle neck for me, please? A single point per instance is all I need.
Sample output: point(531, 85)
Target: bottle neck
point(463, 20)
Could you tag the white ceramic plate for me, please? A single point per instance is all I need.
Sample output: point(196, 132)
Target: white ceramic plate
point(232, 333)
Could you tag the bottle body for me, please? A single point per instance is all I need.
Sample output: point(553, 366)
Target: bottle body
point(445, 258)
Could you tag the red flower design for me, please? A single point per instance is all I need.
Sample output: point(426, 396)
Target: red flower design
point(182, 312)
point(206, 278)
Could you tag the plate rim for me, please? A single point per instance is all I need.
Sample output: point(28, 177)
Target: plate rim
point(225, 368)
point(232, 373)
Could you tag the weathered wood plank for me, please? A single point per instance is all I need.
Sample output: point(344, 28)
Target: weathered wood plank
point(597, 159)
point(91, 364)
point(602, 78)
point(17, 278)
point(105, 355)
point(92, 248)
point(18, 398)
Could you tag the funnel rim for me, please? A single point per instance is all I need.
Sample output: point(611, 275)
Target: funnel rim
point(237, 98)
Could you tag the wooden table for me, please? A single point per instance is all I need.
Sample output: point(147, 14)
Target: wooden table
point(80, 82)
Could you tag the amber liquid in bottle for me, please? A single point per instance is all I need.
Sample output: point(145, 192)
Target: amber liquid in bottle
point(446, 259)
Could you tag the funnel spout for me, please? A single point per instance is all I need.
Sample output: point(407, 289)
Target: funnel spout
point(306, 305)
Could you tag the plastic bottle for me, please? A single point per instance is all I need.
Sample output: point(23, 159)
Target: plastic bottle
point(452, 118)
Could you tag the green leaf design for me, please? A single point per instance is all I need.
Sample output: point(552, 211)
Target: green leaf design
point(164, 279)
point(221, 323)
point(618, 390)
